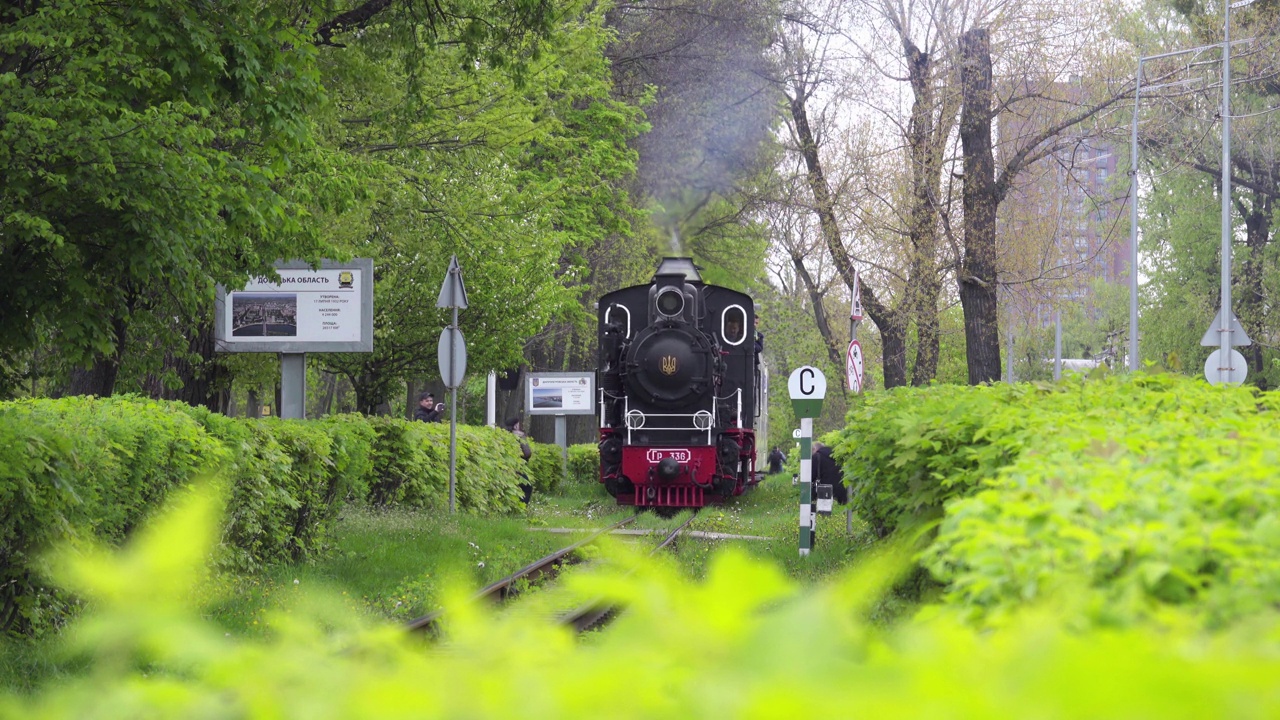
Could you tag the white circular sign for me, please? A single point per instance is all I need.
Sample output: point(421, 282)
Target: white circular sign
point(807, 383)
point(452, 354)
point(853, 366)
point(1239, 368)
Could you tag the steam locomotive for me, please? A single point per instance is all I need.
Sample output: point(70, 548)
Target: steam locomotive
point(679, 386)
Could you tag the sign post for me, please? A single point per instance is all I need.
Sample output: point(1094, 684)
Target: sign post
point(1234, 369)
point(808, 387)
point(853, 365)
point(452, 354)
point(853, 361)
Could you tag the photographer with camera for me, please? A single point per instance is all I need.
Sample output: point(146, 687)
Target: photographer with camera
point(428, 410)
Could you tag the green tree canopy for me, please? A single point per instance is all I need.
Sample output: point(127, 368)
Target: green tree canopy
point(148, 150)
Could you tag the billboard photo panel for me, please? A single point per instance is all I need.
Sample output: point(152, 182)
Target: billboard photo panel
point(560, 393)
point(328, 309)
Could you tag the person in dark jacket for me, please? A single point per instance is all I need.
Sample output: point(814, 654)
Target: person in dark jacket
point(776, 458)
point(427, 410)
point(526, 487)
point(827, 472)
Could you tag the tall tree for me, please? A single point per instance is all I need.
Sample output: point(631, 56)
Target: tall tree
point(987, 185)
point(143, 164)
point(515, 174)
point(818, 74)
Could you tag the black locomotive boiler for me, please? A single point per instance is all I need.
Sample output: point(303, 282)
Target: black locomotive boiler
point(679, 385)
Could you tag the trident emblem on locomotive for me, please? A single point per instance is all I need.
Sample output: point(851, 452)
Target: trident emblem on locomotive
point(669, 365)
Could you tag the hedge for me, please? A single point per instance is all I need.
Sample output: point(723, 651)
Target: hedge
point(489, 468)
point(584, 464)
point(286, 481)
point(1135, 493)
point(80, 468)
point(546, 467)
point(908, 451)
point(411, 466)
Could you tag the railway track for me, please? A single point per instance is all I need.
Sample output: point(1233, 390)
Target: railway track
point(597, 613)
point(588, 616)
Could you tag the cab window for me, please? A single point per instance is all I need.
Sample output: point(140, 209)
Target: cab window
point(733, 325)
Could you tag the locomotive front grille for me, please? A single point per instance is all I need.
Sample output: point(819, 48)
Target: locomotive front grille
point(672, 496)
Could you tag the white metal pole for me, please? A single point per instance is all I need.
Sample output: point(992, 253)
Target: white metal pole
point(1224, 362)
point(491, 401)
point(1057, 345)
point(1133, 227)
point(1133, 200)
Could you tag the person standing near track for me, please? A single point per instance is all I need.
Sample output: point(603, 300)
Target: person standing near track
point(827, 472)
point(526, 487)
point(776, 458)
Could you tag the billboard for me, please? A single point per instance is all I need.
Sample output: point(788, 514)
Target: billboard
point(560, 393)
point(329, 309)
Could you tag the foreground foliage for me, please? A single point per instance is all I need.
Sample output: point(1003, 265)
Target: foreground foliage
point(769, 650)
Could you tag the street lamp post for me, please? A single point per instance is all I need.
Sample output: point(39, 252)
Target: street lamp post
point(1225, 353)
point(1133, 195)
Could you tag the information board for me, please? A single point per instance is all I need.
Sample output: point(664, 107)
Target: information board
point(329, 309)
point(560, 393)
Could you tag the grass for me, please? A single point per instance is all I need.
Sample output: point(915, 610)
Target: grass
point(394, 564)
point(772, 509)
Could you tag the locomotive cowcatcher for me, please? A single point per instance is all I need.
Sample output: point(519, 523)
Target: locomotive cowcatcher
point(678, 381)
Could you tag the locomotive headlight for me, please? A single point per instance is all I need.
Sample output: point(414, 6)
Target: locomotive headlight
point(670, 302)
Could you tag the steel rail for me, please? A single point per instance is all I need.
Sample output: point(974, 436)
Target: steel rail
point(499, 590)
point(596, 612)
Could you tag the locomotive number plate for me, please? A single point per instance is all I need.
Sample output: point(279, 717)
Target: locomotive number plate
point(656, 454)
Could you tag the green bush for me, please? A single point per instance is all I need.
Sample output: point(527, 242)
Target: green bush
point(313, 484)
point(546, 467)
point(79, 468)
point(1135, 493)
point(287, 480)
point(490, 469)
point(400, 464)
point(584, 464)
point(1160, 492)
point(906, 452)
point(353, 438)
point(82, 468)
point(411, 466)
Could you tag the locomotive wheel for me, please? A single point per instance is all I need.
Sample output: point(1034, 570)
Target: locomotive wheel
point(618, 485)
point(725, 485)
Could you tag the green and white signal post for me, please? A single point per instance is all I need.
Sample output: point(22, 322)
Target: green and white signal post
point(808, 387)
